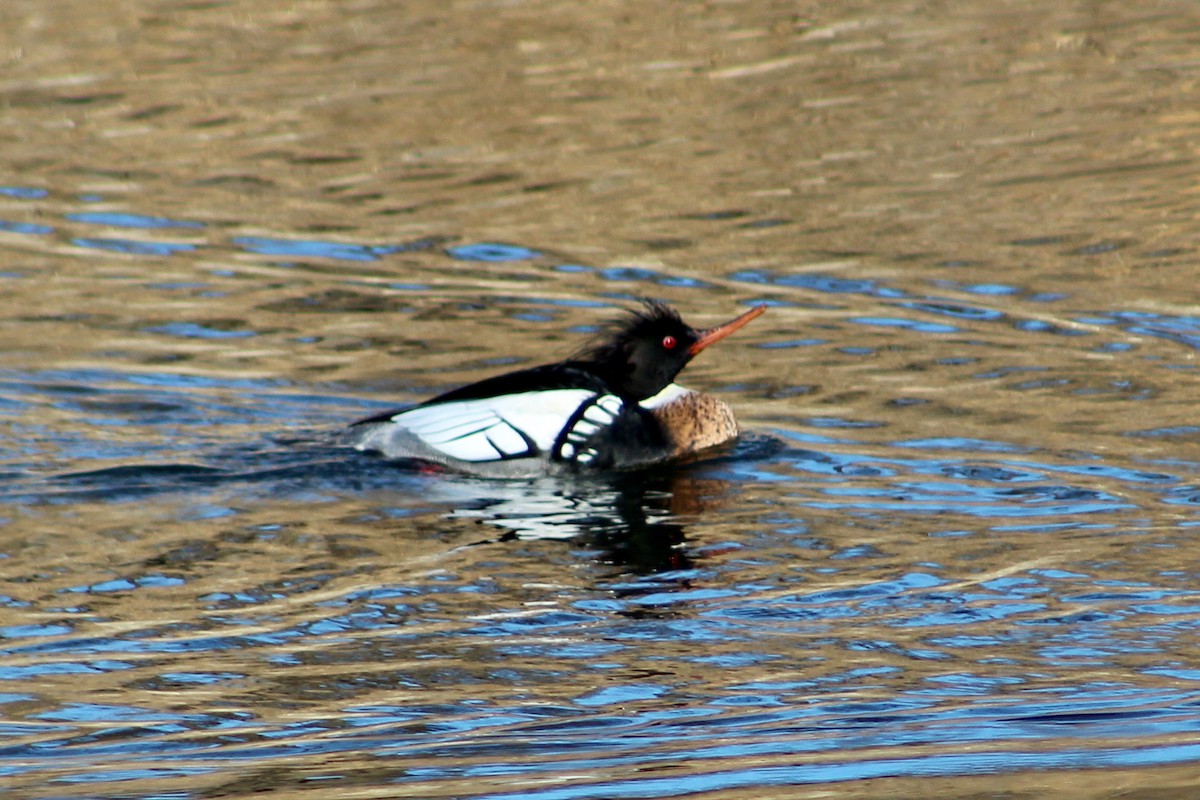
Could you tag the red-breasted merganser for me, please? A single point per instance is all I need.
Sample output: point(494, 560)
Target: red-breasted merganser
point(612, 405)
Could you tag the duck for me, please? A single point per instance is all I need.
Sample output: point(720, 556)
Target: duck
point(611, 406)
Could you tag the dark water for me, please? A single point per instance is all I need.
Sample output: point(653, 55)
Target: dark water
point(954, 542)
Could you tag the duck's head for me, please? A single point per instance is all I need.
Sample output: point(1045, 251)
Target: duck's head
point(643, 352)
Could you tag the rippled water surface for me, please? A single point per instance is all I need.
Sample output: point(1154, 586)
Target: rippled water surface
point(955, 540)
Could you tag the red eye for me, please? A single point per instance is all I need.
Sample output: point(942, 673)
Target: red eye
point(669, 342)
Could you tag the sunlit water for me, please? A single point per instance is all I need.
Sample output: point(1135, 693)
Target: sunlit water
point(956, 538)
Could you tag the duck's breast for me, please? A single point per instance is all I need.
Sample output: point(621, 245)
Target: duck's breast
point(692, 421)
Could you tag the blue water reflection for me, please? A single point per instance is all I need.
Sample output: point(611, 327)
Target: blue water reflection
point(31, 228)
point(23, 192)
point(817, 282)
point(492, 251)
point(304, 248)
point(127, 220)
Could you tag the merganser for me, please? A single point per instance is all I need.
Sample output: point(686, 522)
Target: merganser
point(611, 406)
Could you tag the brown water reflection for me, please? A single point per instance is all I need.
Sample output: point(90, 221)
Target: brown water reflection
point(959, 540)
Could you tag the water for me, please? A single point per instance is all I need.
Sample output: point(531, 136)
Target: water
point(955, 541)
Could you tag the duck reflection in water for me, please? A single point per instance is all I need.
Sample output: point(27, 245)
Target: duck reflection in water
point(635, 521)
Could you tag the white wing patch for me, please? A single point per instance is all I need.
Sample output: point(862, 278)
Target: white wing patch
point(495, 428)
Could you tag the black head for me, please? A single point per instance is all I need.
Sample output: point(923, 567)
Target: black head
point(643, 352)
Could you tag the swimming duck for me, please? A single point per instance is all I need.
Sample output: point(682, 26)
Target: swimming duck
point(611, 406)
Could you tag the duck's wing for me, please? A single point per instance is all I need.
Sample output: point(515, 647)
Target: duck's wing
point(551, 413)
point(518, 415)
point(547, 377)
point(499, 428)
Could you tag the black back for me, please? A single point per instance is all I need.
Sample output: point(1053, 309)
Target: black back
point(635, 359)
